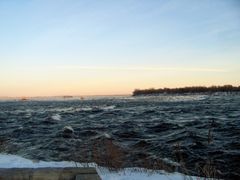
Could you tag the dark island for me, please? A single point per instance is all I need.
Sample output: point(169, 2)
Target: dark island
point(183, 90)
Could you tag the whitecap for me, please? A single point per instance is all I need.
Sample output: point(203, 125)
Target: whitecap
point(56, 117)
point(107, 135)
point(86, 109)
point(106, 108)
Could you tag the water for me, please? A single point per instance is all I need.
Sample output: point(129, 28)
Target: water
point(179, 133)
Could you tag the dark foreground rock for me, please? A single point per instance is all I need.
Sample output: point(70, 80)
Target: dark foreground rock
point(49, 174)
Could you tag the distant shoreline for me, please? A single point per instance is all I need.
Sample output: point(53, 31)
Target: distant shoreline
point(183, 90)
point(66, 97)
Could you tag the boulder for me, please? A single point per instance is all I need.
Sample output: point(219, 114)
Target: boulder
point(68, 132)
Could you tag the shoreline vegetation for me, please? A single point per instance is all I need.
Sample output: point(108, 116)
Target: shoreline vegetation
point(183, 90)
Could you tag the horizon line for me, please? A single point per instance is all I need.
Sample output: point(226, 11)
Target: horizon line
point(92, 95)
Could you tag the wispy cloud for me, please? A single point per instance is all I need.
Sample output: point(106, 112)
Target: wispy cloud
point(139, 68)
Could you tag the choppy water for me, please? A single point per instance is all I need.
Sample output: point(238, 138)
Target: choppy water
point(154, 132)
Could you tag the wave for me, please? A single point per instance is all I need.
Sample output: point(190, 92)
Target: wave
point(56, 117)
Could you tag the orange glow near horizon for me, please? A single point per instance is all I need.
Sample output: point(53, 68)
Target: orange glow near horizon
point(81, 82)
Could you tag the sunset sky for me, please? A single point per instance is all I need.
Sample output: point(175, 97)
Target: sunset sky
point(106, 47)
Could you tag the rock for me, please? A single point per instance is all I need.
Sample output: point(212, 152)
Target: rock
point(68, 132)
point(68, 129)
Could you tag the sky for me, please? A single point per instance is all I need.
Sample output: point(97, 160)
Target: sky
point(92, 47)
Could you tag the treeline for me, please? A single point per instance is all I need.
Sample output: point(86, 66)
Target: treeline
point(193, 89)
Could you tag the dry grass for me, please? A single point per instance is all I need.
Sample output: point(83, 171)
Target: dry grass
point(107, 154)
point(210, 134)
point(2, 144)
point(206, 170)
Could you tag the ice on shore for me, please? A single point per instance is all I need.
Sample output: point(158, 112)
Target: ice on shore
point(14, 161)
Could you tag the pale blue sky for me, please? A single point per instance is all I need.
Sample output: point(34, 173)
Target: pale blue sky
point(143, 43)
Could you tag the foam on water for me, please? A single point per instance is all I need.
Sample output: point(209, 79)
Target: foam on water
point(56, 117)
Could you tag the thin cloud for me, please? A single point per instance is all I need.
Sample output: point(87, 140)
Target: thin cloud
point(110, 68)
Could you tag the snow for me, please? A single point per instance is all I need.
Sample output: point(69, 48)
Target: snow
point(142, 174)
point(14, 161)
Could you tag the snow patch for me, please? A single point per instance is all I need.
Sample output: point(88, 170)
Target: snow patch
point(14, 161)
